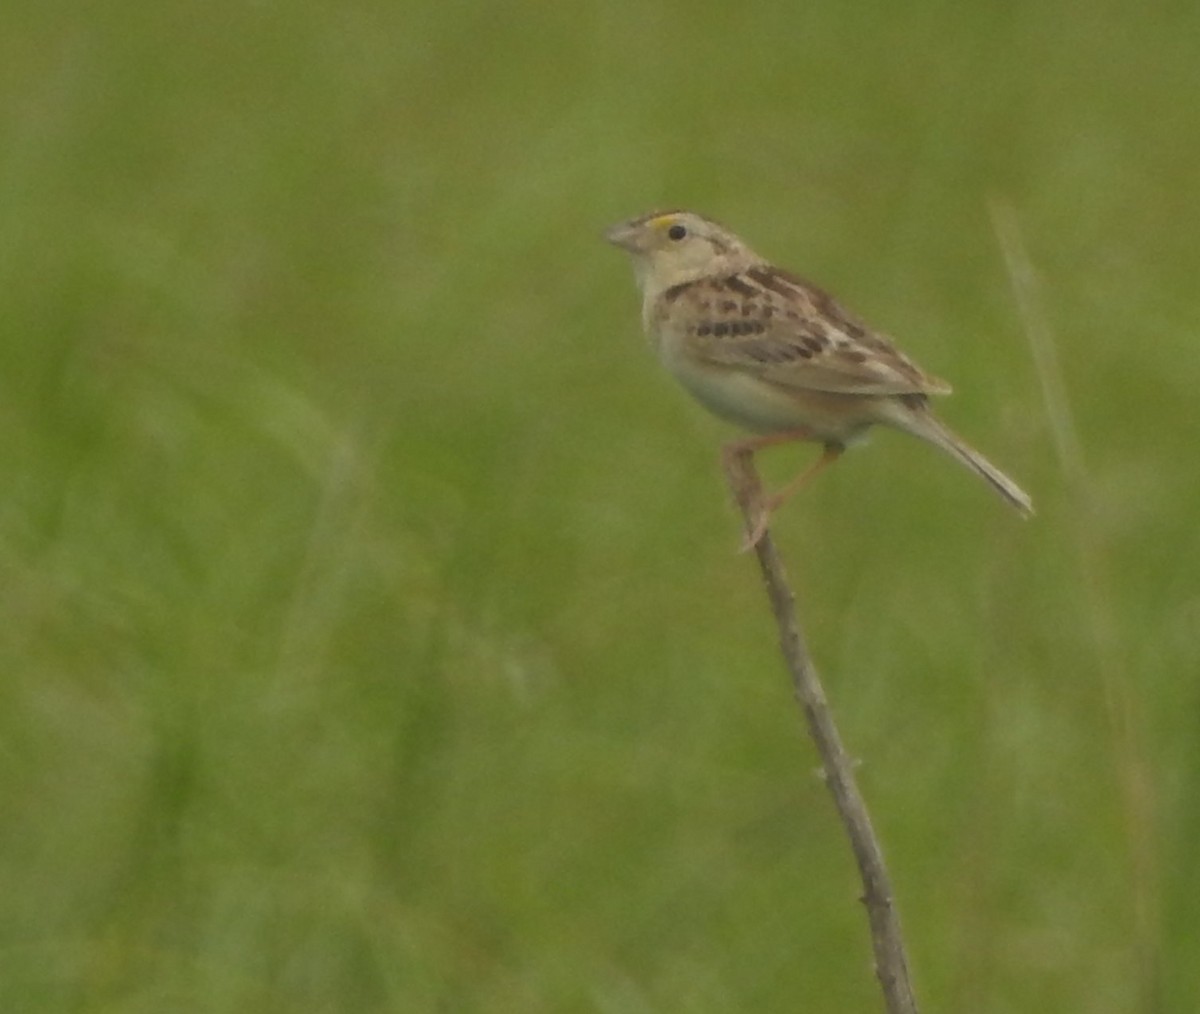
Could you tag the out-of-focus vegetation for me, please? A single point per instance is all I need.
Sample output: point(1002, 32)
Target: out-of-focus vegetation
point(372, 635)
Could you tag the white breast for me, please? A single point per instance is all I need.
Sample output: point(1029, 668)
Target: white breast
point(742, 398)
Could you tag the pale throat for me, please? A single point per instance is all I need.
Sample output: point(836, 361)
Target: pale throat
point(655, 275)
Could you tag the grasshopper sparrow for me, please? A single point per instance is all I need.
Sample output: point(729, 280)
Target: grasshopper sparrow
point(776, 355)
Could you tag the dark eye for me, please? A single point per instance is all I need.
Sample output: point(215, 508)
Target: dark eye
point(676, 232)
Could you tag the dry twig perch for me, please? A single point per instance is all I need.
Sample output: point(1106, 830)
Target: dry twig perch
point(891, 963)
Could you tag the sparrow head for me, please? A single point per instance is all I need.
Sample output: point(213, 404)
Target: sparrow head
point(674, 247)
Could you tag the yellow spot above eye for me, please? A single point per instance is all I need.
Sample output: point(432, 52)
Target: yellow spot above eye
point(663, 221)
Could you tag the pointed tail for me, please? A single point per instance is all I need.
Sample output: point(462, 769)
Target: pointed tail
point(924, 424)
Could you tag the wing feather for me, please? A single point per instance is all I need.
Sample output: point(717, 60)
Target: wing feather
point(790, 333)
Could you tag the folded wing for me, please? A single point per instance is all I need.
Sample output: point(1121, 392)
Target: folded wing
point(793, 334)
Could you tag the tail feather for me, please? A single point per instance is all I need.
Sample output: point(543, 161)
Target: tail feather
point(924, 424)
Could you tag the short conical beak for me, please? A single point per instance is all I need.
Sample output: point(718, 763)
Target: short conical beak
point(624, 235)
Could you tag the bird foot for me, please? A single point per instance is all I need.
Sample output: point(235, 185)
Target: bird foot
point(754, 535)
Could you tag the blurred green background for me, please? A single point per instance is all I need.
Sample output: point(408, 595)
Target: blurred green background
point(373, 635)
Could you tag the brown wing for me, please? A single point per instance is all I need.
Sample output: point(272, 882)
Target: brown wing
point(793, 334)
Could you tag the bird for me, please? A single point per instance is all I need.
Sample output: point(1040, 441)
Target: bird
point(778, 356)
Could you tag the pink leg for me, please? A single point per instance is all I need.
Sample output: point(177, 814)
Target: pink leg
point(747, 447)
point(737, 456)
